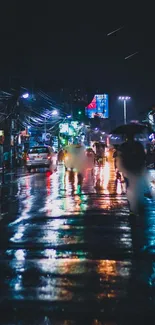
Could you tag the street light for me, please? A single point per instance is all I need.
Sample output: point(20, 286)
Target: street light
point(125, 99)
point(25, 96)
point(55, 112)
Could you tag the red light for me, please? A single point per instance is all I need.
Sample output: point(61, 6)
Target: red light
point(48, 173)
point(27, 158)
point(48, 157)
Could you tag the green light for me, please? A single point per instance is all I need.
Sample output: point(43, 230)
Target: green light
point(79, 112)
point(63, 141)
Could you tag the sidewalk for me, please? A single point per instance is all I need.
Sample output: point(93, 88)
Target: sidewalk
point(10, 175)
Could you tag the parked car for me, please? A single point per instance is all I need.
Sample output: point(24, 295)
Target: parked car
point(41, 157)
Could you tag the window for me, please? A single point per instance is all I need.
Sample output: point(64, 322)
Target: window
point(39, 150)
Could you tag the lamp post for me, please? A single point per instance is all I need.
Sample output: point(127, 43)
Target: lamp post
point(25, 96)
point(124, 99)
point(14, 129)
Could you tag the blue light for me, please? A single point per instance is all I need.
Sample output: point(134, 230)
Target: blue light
point(25, 95)
point(55, 112)
point(151, 137)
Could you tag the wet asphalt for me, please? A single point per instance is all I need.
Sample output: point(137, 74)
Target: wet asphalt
point(70, 253)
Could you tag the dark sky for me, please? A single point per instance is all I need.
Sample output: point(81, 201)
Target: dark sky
point(69, 46)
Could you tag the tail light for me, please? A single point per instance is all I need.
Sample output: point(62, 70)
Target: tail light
point(88, 154)
point(27, 158)
point(48, 157)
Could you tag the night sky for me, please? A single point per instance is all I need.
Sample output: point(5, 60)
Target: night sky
point(69, 46)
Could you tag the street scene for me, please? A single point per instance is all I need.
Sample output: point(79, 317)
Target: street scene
point(77, 164)
point(66, 248)
point(77, 202)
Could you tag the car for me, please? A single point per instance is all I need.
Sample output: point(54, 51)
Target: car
point(41, 157)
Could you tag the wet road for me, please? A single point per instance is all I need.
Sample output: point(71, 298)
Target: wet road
point(68, 251)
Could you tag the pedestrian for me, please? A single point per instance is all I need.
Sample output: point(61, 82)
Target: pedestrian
point(131, 161)
point(61, 155)
point(6, 157)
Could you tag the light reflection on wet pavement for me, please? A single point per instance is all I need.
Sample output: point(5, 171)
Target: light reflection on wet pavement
point(66, 251)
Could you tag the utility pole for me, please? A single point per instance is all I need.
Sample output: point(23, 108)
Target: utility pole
point(124, 99)
point(13, 128)
point(8, 130)
point(71, 105)
point(45, 129)
point(124, 111)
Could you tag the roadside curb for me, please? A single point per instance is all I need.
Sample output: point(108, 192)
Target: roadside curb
point(10, 176)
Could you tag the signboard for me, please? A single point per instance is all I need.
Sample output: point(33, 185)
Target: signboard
point(55, 143)
point(46, 136)
point(98, 107)
point(64, 128)
point(74, 124)
point(134, 121)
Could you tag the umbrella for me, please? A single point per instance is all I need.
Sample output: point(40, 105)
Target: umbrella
point(130, 130)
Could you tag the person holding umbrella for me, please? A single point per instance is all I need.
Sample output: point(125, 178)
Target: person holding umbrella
point(131, 161)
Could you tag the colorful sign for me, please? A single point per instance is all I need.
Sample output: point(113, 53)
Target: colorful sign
point(98, 107)
point(64, 128)
point(69, 129)
point(74, 124)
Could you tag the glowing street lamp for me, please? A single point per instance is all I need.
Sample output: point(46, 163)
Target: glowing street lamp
point(55, 112)
point(25, 96)
point(124, 99)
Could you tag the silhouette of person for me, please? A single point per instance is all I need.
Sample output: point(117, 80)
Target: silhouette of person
point(131, 161)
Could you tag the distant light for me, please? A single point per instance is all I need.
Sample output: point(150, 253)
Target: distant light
point(25, 95)
point(79, 112)
point(69, 116)
point(55, 112)
point(124, 97)
point(151, 136)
